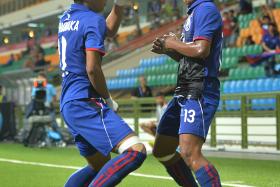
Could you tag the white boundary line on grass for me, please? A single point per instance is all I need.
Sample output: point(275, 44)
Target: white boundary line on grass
point(229, 183)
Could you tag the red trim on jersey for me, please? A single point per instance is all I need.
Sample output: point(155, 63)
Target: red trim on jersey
point(95, 49)
point(201, 38)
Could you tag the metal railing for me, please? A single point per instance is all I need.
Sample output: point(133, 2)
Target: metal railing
point(140, 108)
point(145, 108)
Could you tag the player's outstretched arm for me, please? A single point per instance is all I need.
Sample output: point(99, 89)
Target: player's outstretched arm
point(113, 21)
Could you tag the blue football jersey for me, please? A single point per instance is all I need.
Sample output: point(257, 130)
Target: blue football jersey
point(80, 29)
point(204, 22)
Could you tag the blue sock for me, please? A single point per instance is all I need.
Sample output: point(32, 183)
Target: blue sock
point(81, 178)
point(181, 173)
point(208, 176)
point(116, 169)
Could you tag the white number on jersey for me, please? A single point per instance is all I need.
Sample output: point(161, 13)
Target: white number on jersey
point(62, 45)
point(189, 116)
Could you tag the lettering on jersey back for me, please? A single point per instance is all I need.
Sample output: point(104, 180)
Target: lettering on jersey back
point(69, 26)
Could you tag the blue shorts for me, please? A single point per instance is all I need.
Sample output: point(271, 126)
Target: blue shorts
point(187, 116)
point(94, 126)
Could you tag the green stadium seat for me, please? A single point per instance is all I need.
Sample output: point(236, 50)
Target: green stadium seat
point(258, 49)
point(174, 68)
point(239, 51)
point(251, 73)
point(153, 80)
point(226, 52)
point(162, 80)
point(173, 79)
point(260, 72)
point(231, 52)
point(245, 50)
point(165, 68)
point(242, 73)
point(159, 69)
point(170, 61)
point(225, 63)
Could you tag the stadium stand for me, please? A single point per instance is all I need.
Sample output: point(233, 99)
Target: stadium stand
point(237, 75)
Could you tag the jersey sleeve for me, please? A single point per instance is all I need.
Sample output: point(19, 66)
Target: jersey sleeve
point(207, 21)
point(95, 35)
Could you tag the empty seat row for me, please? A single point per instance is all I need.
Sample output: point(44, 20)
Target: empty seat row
point(134, 72)
point(152, 80)
point(229, 62)
point(123, 83)
point(151, 70)
point(251, 86)
point(164, 69)
point(242, 51)
point(162, 80)
point(246, 73)
point(153, 61)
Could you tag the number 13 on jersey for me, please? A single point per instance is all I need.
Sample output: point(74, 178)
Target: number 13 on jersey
point(189, 116)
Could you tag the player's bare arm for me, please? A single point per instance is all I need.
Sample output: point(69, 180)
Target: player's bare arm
point(197, 49)
point(95, 73)
point(113, 21)
point(158, 48)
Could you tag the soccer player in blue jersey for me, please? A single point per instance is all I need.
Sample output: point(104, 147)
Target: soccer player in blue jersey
point(86, 105)
point(188, 116)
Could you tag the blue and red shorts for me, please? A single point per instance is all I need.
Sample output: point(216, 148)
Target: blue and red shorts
point(94, 126)
point(187, 116)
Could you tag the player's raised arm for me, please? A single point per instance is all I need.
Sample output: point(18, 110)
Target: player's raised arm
point(113, 21)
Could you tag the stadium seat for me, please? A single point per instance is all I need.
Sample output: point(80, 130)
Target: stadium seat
point(276, 84)
point(245, 86)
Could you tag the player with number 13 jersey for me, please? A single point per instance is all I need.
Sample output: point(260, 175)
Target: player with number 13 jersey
point(188, 116)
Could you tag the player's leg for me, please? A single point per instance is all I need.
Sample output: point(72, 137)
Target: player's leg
point(190, 148)
point(132, 155)
point(132, 152)
point(195, 121)
point(71, 112)
point(166, 144)
point(96, 160)
point(84, 176)
point(149, 127)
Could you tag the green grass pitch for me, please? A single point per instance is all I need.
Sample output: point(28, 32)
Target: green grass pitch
point(258, 173)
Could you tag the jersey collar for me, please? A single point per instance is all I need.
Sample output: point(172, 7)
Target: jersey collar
point(195, 4)
point(76, 6)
